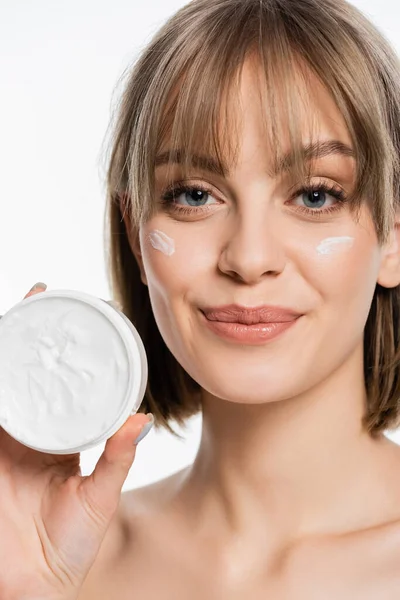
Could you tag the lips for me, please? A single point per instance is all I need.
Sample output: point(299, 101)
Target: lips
point(234, 313)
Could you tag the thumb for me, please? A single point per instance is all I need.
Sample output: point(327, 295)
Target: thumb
point(102, 489)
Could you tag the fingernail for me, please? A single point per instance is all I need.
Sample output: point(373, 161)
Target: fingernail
point(146, 429)
point(38, 285)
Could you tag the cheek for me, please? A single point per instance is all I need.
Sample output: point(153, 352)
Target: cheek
point(343, 270)
point(177, 266)
point(174, 261)
point(162, 242)
point(160, 259)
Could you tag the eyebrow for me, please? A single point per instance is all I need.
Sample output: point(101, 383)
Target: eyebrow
point(309, 151)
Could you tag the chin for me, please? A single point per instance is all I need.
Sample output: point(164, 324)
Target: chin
point(253, 388)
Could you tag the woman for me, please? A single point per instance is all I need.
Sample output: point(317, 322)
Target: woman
point(253, 191)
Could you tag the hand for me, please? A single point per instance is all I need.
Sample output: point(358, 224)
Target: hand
point(53, 520)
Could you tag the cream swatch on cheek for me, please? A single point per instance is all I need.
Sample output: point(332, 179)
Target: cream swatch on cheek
point(333, 244)
point(160, 241)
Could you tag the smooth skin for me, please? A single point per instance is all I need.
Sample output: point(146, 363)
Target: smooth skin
point(53, 520)
point(287, 497)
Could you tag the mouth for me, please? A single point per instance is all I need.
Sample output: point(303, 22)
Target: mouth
point(254, 326)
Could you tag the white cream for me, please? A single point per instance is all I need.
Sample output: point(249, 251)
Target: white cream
point(162, 242)
point(64, 372)
point(332, 244)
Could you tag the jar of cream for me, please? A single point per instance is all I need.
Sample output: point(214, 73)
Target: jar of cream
point(72, 370)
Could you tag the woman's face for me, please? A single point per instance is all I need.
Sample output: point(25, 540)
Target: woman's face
point(250, 241)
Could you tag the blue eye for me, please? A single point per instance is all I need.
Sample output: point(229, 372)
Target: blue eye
point(193, 195)
point(315, 197)
point(315, 200)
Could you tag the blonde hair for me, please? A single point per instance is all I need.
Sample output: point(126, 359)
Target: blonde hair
point(179, 83)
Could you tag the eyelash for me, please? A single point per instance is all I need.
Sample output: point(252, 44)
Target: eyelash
point(179, 188)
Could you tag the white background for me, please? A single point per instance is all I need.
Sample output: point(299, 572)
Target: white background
point(60, 62)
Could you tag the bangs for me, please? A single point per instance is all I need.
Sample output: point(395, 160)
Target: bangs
point(182, 98)
point(192, 109)
point(185, 143)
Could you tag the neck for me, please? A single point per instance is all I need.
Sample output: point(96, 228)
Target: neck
point(294, 467)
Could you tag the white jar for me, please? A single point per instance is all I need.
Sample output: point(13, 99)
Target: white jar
point(72, 370)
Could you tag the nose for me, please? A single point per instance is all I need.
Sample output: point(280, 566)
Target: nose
point(252, 248)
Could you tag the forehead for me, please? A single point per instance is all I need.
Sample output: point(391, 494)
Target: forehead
point(316, 113)
point(246, 120)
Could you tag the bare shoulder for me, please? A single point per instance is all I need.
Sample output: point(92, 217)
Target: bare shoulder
point(134, 529)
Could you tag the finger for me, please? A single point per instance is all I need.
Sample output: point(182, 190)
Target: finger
point(102, 489)
point(37, 288)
